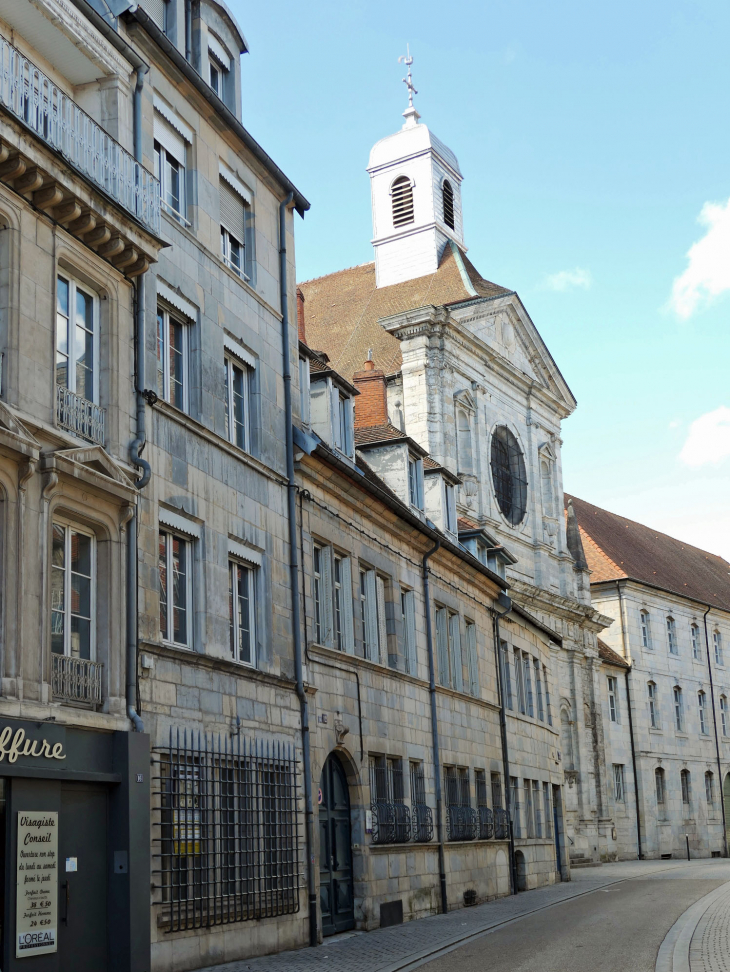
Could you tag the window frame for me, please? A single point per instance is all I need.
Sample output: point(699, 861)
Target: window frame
point(408, 620)
point(718, 648)
point(70, 527)
point(686, 785)
point(233, 364)
point(164, 159)
point(171, 534)
point(613, 700)
point(723, 715)
point(660, 786)
point(415, 483)
point(710, 788)
point(165, 361)
point(654, 721)
point(678, 708)
point(619, 783)
point(695, 635)
point(672, 643)
point(702, 710)
point(645, 625)
point(75, 285)
point(450, 519)
point(252, 574)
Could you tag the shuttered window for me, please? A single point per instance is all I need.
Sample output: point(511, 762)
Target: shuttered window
point(382, 631)
point(442, 645)
point(457, 668)
point(343, 603)
point(471, 657)
point(448, 198)
point(408, 604)
point(157, 9)
point(232, 211)
point(402, 195)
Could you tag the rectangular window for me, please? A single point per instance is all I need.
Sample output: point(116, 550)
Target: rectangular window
point(457, 668)
point(618, 782)
point(529, 702)
point(372, 616)
point(519, 681)
point(723, 715)
point(709, 789)
point(717, 643)
point(538, 690)
point(696, 647)
point(442, 646)
point(613, 698)
point(238, 403)
point(684, 778)
point(496, 781)
point(672, 637)
point(678, 709)
point(304, 390)
point(216, 75)
point(529, 809)
point(660, 789)
point(547, 696)
point(537, 803)
point(241, 599)
point(415, 482)
point(170, 158)
point(174, 564)
point(456, 786)
point(408, 618)
point(653, 706)
point(480, 788)
point(318, 592)
point(506, 675)
point(547, 809)
point(450, 500)
point(73, 592)
point(701, 700)
point(77, 342)
point(172, 359)
point(645, 630)
point(470, 630)
point(234, 212)
point(515, 806)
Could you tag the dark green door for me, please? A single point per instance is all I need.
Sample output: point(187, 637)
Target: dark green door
point(335, 851)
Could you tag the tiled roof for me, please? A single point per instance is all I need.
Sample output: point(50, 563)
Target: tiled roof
point(610, 656)
point(617, 548)
point(343, 309)
point(378, 433)
point(429, 463)
point(464, 524)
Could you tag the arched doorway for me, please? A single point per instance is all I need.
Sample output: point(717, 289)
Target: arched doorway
point(521, 871)
point(335, 849)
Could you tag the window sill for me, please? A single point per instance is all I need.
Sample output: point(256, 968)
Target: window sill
point(175, 215)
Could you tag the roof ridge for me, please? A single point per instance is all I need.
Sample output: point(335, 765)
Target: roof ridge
point(324, 276)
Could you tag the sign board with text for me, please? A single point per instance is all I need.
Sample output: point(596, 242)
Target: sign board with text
point(36, 927)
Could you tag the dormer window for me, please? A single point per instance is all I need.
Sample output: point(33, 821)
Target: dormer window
point(415, 482)
point(448, 201)
point(343, 421)
point(450, 507)
point(402, 195)
point(219, 64)
point(216, 76)
point(331, 415)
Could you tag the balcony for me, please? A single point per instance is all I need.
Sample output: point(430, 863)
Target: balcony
point(461, 823)
point(77, 415)
point(501, 824)
point(76, 680)
point(391, 823)
point(422, 822)
point(486, 823)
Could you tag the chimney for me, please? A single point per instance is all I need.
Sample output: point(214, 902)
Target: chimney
point(371, 405)
point(300, 316)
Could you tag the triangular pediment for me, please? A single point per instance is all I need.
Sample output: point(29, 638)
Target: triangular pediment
point(547, 451)
point(97, 459)
point(11, 423)
point(465, 397)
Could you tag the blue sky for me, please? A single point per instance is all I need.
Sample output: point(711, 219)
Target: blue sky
point(595, 145)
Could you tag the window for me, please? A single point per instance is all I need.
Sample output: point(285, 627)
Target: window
point(496, 781)
point(343, 423)
point(319, 562)
point(450, 502)
point(613, 698)
point(174, 564)
point(457, 790)
point(170, 157)
point(546, 483)
point(717, 644)
point(508, 475)
point(529, 809)
point(684, 777)
point(448, 201)
point(672, 637)
point(701, 701)
point(678, 709)
point(304, 390)
point(332, 586)
point(241, 599)
point(696, 650)
point(463, 432)
point(157, 9)
point(401, 193)
point(618, 783)
point(709, 788)
point(342, 584)
point(723, 714)
point(547, 809)
point(547, 696)
point(645, 630)
point(238, 403)
point(216, 75)
point(448, 644)
point(372, 616)
point(537, 804)
point(77, 341)
point(421, 814)
point(408, 618)
point(519, 682)
point(470, 630)
point(415, 482)
point(660, 788)
point(234, 211)
point(529, 702)
point(653, 705)
point(506, 676)
point(515, 806)
point(172, 359)
point(480, 787)
point(73, 592)
point(457, 668)
point(566, 738)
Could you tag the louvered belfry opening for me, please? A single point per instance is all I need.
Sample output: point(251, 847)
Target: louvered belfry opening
point(402, 194)
point(448, 195)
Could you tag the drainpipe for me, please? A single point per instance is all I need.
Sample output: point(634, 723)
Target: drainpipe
point(188, 30)
point(435, 727)
point(506, 603)
point(136, 448)
point(631, 718)
point(291, 494)
point(714, 723)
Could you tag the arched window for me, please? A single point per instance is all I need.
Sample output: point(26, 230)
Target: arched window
point(463, 431)
point(645, 630)
point(661, 791)
point(686, 792)
point(672, 636)
point(508, 475)
point(701, 701)
point(696, 650)
point(402, 195)
point(717, 643)
point(448, 197)
point(710, 788)
point(678, 709)
point(566, 737)
point(547, 488)
point(723, 714)
point(653, 705)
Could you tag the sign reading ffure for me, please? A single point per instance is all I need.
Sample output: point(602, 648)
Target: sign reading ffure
point(17, 744)
point(37, 883)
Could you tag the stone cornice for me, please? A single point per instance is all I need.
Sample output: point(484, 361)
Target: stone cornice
point(567, 609)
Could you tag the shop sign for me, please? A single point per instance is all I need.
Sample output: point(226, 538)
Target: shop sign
point(36, 925)
point(16, 744)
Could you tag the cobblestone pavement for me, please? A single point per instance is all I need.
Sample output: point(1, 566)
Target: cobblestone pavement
point(399, 947)
point(710, 947)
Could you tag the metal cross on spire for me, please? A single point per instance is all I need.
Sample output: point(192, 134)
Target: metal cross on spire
point(408, 81)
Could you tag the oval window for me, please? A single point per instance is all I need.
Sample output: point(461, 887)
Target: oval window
point(508, 475)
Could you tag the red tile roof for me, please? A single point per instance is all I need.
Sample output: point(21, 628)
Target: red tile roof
point(618, 548)
point(378, 433)
point(610, 656)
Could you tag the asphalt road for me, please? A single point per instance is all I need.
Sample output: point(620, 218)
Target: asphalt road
point(616, 929)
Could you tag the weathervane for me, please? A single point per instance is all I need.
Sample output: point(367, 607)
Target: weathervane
point(408, 82)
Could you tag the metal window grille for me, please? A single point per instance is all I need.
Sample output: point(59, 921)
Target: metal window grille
point(448, 199)
point(486, 819)
point(77, 415)
point(508, 475)
point(421, 813)
point(76, 679)
point(225, 831)
point(501, 823)
point(391, 817)
point(402, 197)
point(461, 818)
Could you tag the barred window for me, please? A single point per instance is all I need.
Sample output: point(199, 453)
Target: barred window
point(391, 817)
point(226, 831)
point(508, 475)
point(421, 813)
point(618, 782)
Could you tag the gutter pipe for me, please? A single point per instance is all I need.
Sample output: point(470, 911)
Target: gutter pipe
point(714, 723)
point(435, 727)
point(631, 719)
point(291, 495)
point(506, 603)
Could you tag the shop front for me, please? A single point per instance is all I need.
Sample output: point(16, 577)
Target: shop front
point(74, 849)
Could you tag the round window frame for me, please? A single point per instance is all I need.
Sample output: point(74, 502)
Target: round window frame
point(507, 516)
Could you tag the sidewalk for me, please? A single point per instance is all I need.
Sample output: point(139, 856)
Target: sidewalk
point(402, 947)
point(709, 950)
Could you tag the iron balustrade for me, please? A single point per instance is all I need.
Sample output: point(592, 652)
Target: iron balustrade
point(28, 94)
point(76, 679)
point(486, 823)
point(76, 414)
point(461, 823)
point(226, 832)
point(501, 824)
point(422, 818)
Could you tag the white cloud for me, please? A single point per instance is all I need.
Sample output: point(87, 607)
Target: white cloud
point(708, 440)
point(569, 280)
point(708, 271)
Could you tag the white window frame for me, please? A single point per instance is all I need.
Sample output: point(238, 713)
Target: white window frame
point(215, 65)
point(169, 534)
point(696, 650)
point(660, 784)
point(723, 714)
point(69, 528)
point(619, 787)
point(653, 705)
point(415, 482)
point(678, 708)
point(672, 636)
point(252, 572)
point(70, 319)
point(710, 788)
point(164, 360)
point(450, 508)
point(232, 364)
point(702, 708)
point(164, 157)
point(408, 619)
point(717, 645)
point(686, 787)
point(342, 422)
point(645, 619)
point(613, 707)
point(226, 250)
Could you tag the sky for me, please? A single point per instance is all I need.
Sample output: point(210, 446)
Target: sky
point(595, 147)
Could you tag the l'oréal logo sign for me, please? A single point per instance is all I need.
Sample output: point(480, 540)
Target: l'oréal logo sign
point(17, 744)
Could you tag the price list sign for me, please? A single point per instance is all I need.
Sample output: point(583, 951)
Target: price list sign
point(37, 872)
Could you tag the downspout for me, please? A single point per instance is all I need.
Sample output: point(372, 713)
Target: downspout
point(505, 601)
point(291, 492)
point(435, 727)
point(136, 448)
point(714, 723)
point(631, 718)
point(188, 30)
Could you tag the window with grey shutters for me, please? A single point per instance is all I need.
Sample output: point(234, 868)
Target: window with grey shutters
point(382, 630)
point(457, 668)
point(369, 616)
point(471, 657)
point(343, 604)
point(408, 606)
point(233, 229)
point(442, 645)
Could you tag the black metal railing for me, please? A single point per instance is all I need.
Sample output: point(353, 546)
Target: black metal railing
point(461, 823)
point(422, 825)
point(225, 831)
point(501, 824)
point(391, 823)
point(486, 823)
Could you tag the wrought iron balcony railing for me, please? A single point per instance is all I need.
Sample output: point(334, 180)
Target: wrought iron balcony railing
point(76, 414)
point(76, 680)
point(461, 823)
point(42, 106)
point(501, 824)
point(391, 823)
point(486, 823)
point(422, 822)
